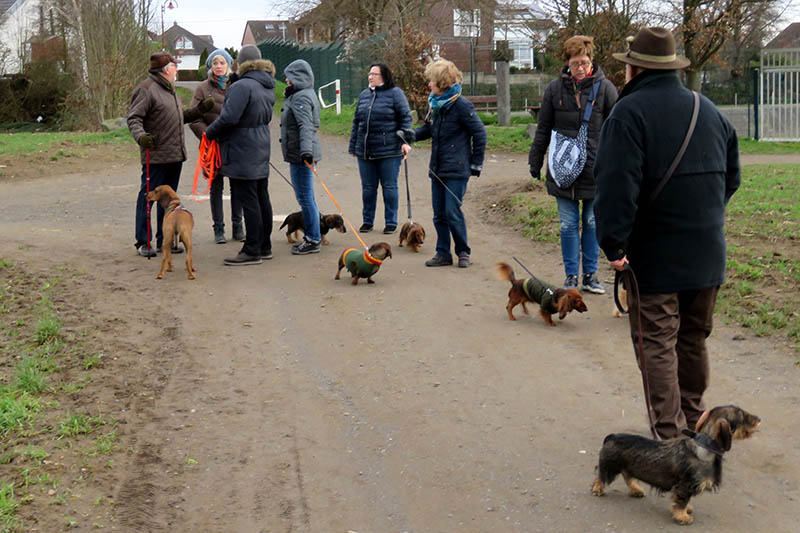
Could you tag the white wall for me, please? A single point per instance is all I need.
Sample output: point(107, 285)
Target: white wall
point(16, 27)
point(189, 63)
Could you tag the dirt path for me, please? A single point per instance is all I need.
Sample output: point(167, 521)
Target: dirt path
point(277, 399)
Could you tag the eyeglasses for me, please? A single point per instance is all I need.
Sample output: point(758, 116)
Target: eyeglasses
point(374, 74)
point(580, 64)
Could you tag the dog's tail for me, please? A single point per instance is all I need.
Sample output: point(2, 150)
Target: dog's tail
point(285, 222)
point(505, 272)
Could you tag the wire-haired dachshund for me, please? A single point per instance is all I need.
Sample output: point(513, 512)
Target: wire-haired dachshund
point(296, 224)
point(686, 465)
point(413, 234)
point(177, 220)
point(551, 300)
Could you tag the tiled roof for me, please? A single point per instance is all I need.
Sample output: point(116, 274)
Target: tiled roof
point(788, 38)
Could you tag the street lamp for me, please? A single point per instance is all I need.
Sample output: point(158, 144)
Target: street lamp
point(171, 4)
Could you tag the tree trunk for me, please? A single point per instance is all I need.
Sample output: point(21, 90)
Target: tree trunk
point(503, 94)
point(693, 78)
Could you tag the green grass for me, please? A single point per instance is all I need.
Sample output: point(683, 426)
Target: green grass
point(79, 424)
point(16, 409)
point(749, 146)
point(17, 144)
point(537, 214)
point(48, 329)
point(30, 377)
point(104, 444)
point(8, 506)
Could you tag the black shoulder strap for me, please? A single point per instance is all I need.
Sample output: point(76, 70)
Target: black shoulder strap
point(679, 156)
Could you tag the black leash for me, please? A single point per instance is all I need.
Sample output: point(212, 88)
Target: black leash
point(281, 174)
point(403, 137)
point(633, 296)
point(528, 271)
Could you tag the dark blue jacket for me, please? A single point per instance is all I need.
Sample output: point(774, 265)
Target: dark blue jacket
point(459, 141)
point(380, 112)
point(676, 243)
point(242, 128)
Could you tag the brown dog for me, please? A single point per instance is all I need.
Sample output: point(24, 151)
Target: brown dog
point(550, 299)
point(177, 220)
point(296, 224)
point(364, 264)
point(686, 465)
point(413, 234)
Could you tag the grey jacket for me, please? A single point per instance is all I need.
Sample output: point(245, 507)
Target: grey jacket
point(300, 117)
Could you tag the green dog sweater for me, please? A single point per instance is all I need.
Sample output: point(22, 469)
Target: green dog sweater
point(360, 263)
point(539, 291)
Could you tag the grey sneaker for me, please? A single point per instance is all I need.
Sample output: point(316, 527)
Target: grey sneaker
point(591, 284)
point(243, 259)
point(266, 254)
point(463, 260)
point(571, 282)
point(438, 261)
point(305, 247)
point(144, 252)
point(219, 236)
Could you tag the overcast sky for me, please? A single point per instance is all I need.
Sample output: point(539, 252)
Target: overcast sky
point(224, 21)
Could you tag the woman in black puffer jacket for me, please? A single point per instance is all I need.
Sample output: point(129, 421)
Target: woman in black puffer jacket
point(381, 111)
point(563, 105)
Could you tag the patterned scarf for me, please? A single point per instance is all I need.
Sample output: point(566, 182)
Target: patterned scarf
point(438, 102)
point(219, 81)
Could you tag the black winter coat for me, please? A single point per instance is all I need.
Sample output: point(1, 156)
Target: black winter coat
point(242, 128)
point(677, 242)
point(380, 112)
point(459, 141)
point(563, 105)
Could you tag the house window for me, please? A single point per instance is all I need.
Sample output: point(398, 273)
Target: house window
point(466, 22)
point(183, 43)
point(523, 53)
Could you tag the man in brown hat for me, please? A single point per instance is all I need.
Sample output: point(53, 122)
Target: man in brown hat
point(671, 235)
point(155, 119)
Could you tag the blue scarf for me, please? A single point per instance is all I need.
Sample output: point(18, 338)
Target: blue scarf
point(443, 101)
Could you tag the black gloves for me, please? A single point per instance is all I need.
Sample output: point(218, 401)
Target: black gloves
point(307, 158)
point(146, 141)
point(535, 174)
point(476, 173)
point(206, 105)
point(407, 136)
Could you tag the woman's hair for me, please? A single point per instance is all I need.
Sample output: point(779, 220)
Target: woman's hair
point(443, 73)
point(578, 45)
point(386, 74)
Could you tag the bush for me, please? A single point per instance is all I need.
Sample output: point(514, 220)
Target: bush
point(202, 73)
point(36, 95)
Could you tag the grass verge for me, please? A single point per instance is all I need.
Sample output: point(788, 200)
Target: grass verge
point(763, 233)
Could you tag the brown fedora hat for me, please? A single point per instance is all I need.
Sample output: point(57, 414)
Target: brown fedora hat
point(653, 48)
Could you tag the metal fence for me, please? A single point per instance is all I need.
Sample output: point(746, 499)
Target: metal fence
point(779, 95)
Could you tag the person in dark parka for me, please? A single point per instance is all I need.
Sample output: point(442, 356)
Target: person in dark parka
point(563, 106)
point(459, 142)
point(242, 130)
point(381, 111)
point(675, 242)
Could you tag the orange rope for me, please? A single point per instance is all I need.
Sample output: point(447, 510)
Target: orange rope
point(209, 160)
point(355, 232)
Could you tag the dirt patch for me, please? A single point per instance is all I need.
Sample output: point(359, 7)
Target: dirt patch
point(66, 158)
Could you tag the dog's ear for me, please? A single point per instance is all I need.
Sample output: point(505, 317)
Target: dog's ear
point(702, 420)
point(722, 434)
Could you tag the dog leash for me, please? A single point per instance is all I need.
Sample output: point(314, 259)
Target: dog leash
point(633, 294)
point(147, 157)
point(209, 160)
point(281, 174)
point(314, 170)
point(402, 136)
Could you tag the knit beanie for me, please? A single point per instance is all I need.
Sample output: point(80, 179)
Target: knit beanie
point(249, 52)
point(219, 52)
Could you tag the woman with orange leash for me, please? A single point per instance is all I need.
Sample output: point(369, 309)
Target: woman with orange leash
point(219, 64)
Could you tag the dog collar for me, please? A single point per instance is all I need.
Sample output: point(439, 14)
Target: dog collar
point(704, 441)
point(371, 260)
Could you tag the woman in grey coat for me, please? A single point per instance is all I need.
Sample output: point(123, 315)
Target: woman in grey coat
point(300, 145)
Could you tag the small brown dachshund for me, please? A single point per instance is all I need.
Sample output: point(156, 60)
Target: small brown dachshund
point(413, 234)
point(296, 224)
point(686, 466)
point(551, 300)
point(177, 221)
point(363, 264)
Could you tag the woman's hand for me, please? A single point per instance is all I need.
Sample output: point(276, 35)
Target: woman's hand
point(619, 264)
point(406, 148)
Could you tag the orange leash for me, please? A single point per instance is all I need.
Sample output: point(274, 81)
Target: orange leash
point(355, 232)
point(209, 160)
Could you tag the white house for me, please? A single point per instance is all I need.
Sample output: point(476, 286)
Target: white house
point(187, 46)
point(18, 23)
point(523, 28)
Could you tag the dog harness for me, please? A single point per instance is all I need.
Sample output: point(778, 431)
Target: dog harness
point(539, 291)
point(175, 207)
point(360, 264)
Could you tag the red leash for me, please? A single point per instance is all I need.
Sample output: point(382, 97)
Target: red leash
point(148, 201)
point(209, 159)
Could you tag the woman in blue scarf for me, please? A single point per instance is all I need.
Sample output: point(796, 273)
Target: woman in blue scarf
point(219, 68)
point(458, 143)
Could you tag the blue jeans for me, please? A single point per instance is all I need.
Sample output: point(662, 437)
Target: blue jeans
point(303, 183)
point(447, 216)
point(160, 174)
point(572, 242)
point(384, 172)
